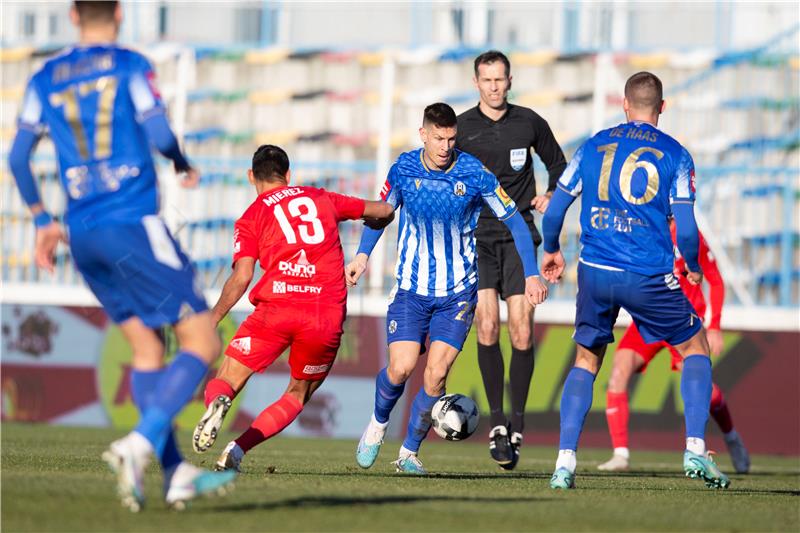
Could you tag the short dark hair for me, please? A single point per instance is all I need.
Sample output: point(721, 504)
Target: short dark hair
point(270, 163)
point(100, 11)
point(440, 115)
point(487, 58)
point(643, 90)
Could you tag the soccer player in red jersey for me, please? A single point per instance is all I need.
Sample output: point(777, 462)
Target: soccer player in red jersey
point(633, 355)
point(300, 299)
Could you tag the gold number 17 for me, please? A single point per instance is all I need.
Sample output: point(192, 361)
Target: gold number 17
point(69, 98)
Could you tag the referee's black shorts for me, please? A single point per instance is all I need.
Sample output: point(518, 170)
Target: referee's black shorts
point(499, 266)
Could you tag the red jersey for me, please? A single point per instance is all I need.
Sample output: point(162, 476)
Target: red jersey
point(294, 234)
point(710, 273)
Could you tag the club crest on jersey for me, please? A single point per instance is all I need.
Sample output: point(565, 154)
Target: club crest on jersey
point(459, 189)
point(392, 326)
point(517, 158)
point(503, 195)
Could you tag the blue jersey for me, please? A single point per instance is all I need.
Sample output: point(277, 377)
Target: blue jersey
point(629, 176)
point(440, 209)
point(93, 100)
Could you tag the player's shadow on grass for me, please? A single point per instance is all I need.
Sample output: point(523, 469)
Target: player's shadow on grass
point(432, 475)
point(344, 501)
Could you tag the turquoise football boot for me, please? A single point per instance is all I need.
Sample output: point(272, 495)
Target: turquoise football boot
point(410, 464)
point(697, 466)
point(562, 479)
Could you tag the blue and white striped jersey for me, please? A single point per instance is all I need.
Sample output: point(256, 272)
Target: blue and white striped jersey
point(440, 209)
point(629, 177)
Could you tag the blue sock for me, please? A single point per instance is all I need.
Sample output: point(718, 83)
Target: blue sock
point(175, 388)
point(386, 396)
point(143, 387)
point(420, 420)
point(696, 393)
point(576, 400)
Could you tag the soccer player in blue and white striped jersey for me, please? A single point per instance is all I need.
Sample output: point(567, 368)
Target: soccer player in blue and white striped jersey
point(441, 192)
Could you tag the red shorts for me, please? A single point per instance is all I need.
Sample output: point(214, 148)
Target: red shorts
point(314, 333)
point(632, 340)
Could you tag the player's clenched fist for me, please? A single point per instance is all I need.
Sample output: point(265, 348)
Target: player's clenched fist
point(535, 290)
point(553, 266)
point(354, 269)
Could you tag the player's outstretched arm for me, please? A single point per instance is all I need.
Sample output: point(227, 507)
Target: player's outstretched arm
point(377, 215)
point(688, 239)
point(160, 134)
point(48, 232)
point(553, 263)
point(535, 290)
point(234, 288)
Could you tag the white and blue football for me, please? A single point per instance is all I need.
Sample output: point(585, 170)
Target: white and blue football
point(455, 417)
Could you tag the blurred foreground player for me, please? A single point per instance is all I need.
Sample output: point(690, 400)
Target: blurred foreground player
point(633, 355)
point(300, 300)
point(633, 177)
point(102, 110)
point(441, 191)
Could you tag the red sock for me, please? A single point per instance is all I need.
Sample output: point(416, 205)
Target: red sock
point(617, 416)
point(719, 410)
point(270, 421)
point(218, 387)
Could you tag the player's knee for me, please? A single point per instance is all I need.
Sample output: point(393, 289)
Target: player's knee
point(398, 373)
point(521, 336)
point(488, 330)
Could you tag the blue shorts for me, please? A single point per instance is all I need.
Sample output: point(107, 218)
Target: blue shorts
point(448, 318)
point(657, 304)
point(137, 269)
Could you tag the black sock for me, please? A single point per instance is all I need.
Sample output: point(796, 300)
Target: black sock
point(490, 361)
point(520, 377)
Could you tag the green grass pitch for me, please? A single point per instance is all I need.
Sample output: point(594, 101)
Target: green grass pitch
point(53, 480)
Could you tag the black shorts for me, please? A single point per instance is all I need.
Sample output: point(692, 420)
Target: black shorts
point(500, 268)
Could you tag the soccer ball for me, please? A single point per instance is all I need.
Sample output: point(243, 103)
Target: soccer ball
point(454, 417)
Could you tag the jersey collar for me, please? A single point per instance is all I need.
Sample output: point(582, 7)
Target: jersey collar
point(502, 119)
point(425, 166)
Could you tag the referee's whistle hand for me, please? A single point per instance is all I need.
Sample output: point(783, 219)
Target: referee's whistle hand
point(535, 290)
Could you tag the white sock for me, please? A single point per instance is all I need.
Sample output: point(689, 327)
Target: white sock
point(139, 443)
point(567, 459)
point(695, 445)
point(732, 435)
point(622, 452)
point(405, 452)
point(375, 423)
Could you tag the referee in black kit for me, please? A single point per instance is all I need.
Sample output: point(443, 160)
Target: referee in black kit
point(501, 136)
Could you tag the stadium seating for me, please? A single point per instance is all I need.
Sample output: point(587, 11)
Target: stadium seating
point(738, 114)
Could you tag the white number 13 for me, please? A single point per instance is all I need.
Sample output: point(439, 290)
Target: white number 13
point(304, 208)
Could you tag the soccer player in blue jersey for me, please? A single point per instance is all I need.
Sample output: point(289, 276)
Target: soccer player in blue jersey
point(102, 110)
point(633, 177)
point(441, 192)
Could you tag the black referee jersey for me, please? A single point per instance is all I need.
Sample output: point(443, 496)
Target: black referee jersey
point(504, 147)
